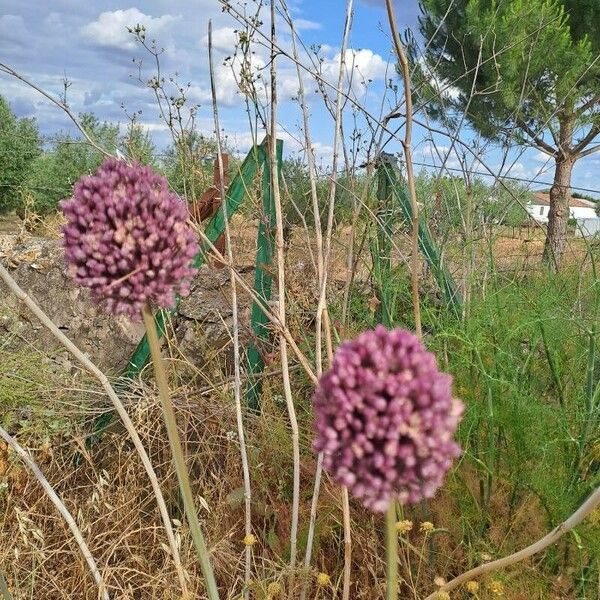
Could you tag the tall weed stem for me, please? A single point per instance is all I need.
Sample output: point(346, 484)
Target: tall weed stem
point(177, 454)
point(391, 553)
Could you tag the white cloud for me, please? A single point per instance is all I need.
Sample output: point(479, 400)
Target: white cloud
point(305, 24)
point(542, 156)
point(361, 66)
point(227, 75)
point(12, 28)
point(223, 39)
point(442, 87)
point(110, 28)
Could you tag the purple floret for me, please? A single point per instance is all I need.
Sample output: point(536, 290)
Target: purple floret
point(127, 238)
point(385, 419)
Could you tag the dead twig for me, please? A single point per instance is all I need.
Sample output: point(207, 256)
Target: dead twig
point(89, 366)
point(62, 509)
point(577, 517)
point(410, 176)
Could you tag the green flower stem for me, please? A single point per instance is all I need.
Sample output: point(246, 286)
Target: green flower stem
point(391, 553)
point(4, 588)
point(177, 453)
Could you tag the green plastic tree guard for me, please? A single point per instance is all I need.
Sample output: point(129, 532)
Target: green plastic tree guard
point(381, 247)
point(215, 227)
point(263, 281)
point(426, 244)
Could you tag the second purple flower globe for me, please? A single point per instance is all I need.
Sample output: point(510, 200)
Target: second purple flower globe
point(385, 419)
point(127, 238)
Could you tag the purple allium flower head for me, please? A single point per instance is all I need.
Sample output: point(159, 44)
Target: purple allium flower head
point(127, 238)
point(385, 419)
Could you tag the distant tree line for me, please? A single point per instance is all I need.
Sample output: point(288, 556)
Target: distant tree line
point(38, 173)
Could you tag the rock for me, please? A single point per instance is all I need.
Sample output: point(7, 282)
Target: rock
point(107, 340)
point(201, 327)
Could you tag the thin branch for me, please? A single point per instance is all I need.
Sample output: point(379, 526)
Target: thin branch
point(287, 389)
point(312, 174)
point(577, 517)
point(535, 138)
point(409, 167)
point(10, 71)
point(591, 134)
point(62, 509)
point(235, 327)
point(591, 102)
point(89, 366)
point(587, 152)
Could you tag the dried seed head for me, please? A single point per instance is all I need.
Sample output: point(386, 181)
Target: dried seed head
point(495, 587)
point(426, 527)
point(472, 587)
point(404, 526)
point(273, 589)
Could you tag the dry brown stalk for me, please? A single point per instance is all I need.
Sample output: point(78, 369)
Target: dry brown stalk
point(287, 389)
point(89, 366)
point(577, 517)
point(410, 175)
point(235, 329)
point(62, 509)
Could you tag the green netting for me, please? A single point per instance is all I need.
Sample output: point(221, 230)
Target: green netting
point(236, 192)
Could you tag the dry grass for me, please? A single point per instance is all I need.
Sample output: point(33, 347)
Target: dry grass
point(106, 488)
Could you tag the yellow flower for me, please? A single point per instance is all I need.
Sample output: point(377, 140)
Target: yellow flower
point(472, 587)
point(273, 589)
point(249, 540)
point(496, 587)
point(404, 526)
point(442, 595)
point(323, 579)
point(426, 527)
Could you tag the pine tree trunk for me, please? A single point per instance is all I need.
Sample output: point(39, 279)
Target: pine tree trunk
point(560, 193)
point(558, 217)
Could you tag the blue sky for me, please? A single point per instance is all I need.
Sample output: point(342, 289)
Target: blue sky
point(88, 43)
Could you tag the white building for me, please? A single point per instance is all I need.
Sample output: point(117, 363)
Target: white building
point(539, 207)
point(588, 227)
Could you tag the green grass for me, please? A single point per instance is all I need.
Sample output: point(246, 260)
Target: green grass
point(524, 365)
